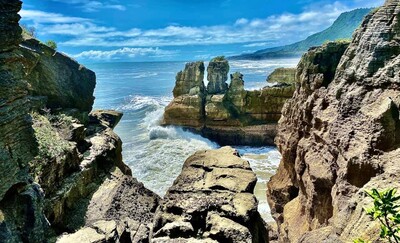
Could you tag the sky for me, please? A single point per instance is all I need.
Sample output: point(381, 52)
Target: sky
point(177, 30)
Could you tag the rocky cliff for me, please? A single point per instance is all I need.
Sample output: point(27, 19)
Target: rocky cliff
point(60, 167)
point(229, 115)
point(62, 177)
point(340, 135)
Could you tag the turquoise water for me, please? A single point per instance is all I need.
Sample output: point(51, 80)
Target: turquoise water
point(156, 154)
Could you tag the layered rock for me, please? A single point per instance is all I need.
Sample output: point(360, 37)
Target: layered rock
point(340, 135)
point(217, 75)
point(64, 82)
point(211, 201)
point(229, 115)
point(188, 97)
point(282, 76)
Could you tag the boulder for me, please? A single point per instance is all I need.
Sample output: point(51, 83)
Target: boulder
point(217, 75)
point(340, 135)
point(211, 200)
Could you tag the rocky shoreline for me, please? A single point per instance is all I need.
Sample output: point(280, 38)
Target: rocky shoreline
point(228, 115)
point(62, 175)
point(63, 179)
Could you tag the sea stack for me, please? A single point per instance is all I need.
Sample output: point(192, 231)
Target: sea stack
point(217, 75)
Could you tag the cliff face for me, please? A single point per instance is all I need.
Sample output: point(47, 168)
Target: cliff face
point(339, 135)
point(229, 115)
point(60, 168)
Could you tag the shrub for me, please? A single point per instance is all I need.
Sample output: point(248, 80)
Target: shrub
point(52, 44)
point(385, 209)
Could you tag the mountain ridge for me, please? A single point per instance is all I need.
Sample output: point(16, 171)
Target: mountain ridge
point(342, 28)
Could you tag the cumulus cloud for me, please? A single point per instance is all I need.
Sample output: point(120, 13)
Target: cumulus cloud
point(287, 26)
point(123, 53)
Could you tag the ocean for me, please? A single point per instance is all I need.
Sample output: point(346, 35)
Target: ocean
point(156, 154)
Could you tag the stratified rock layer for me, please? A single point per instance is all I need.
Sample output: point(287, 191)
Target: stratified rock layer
point(340, 135)
point(228, 115)
point(211, 201)
point(217, 75)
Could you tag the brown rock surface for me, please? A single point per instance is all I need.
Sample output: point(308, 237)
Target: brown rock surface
point(211, 200)
point(339, 135)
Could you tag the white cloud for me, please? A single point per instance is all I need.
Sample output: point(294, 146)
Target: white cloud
point(93, 6)
point(123, 53)
point(285, 28)
point(41, 17)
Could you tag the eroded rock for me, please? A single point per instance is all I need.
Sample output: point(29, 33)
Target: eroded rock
point(339, 135)
point(211, 200)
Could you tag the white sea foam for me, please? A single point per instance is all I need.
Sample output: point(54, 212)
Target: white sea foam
point(138, 102)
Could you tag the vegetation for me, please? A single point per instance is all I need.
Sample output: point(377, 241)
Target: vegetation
point(52, 44)
point(47, 133)
point(385, 209)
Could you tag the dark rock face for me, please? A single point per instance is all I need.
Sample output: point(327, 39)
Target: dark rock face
point(212, 201)
point(21, 201)
point(339, 135)
point(10, 32)
point(228, 115)
point(217, 75)
point(64, 82)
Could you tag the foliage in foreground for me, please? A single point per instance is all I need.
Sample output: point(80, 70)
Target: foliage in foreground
point(52, 44)
point(386, 210)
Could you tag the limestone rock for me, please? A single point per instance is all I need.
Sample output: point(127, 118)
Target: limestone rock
point(190, 80)
point(211, 200)
point(107, 118)
point(64, 82)
point(185, 110)
point(340, 135)
point(282, 75)
point(217, 75)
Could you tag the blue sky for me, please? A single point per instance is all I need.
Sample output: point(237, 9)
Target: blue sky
point(164, 30)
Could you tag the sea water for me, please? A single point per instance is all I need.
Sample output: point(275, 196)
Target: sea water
point(156, 154)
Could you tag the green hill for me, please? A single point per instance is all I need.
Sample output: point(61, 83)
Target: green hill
point(342, 28)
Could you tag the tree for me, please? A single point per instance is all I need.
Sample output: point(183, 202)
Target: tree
point(52, 44)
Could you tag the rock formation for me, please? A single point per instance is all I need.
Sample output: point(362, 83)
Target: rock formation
point(188, 97)
point(340, 135)
point(217, 75)
point(62, 177)
point(228, 115)
point(282, 76)
point(60, 168)
point(211, 201)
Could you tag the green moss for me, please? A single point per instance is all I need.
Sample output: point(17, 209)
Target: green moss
point(51, 144)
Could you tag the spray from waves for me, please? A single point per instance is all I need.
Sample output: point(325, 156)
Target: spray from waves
point(139, 102)
point(156, 158)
